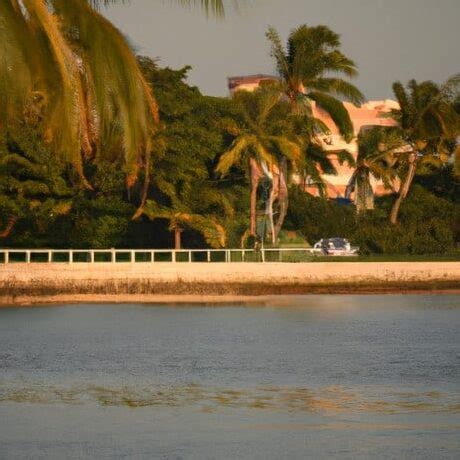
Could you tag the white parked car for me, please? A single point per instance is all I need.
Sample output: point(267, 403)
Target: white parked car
point(335, 247)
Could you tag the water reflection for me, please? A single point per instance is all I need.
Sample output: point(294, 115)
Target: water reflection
point(319, 376)
point(328, 400)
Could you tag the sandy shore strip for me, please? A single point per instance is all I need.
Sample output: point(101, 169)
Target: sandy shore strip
point(270, 272)
point(217, 283)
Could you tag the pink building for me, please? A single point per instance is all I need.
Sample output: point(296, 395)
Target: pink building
point(372, 113)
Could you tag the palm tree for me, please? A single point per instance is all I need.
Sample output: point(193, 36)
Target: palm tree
point(304, 66)
point(181, 216)
point(80, 68)
point(429, 124)
point(69, 59)
point(377, 148)
point(263, 141)
point(311, 55)
point(198, 205)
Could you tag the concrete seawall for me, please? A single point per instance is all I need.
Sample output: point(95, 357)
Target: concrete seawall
point(277, 273)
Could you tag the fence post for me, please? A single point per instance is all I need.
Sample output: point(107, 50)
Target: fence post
point(208, 256)
point(133, 257)
point(173, 256)
point(27, 257)
point(70, 257)
point(91, 256)
point(50, 256)
point(152, 255)
point(7, 257)
point(262, 253)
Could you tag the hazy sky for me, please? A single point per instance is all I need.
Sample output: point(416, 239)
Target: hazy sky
point(389, 39)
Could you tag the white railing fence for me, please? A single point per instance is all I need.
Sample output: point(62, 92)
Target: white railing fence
point(8, 256)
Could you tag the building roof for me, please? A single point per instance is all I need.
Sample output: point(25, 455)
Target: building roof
point(233, 82)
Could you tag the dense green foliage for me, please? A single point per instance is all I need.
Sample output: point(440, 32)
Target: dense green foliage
point(34, 189)
point(101, 149)
point(183, 181)
point(184, 190)
point(428, 223)
point(52, 210)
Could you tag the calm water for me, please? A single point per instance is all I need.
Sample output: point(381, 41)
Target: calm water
point(316, 376)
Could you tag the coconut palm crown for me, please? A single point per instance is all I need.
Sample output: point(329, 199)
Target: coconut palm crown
point(311, 67)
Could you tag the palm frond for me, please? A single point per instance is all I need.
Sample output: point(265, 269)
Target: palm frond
point(234, 154)
point(338, 87)
point(344, 156)
point(278, 53)
point(337, 112)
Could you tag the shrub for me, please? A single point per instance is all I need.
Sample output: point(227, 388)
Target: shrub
point(427, 223)
point(317, 218)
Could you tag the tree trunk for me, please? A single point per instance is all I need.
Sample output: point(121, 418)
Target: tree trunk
point(9, 227)
point(256, 175)
point(283, 197)
point(364, 193)
point(404, 190)
point(177, 237)
point(351, 186)
point(274, 190)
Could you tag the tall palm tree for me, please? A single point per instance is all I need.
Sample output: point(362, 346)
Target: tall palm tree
point(310, 69)
point(263, 141)
point(377, 149)
point(429, 124)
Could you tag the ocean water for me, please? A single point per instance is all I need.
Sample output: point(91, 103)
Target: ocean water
point(307, 377)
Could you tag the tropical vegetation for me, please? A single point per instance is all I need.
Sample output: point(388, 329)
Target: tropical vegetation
point(102, 148)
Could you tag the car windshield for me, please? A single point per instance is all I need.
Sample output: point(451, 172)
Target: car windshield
point(338, 243)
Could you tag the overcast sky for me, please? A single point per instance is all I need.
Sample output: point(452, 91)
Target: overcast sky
point(389, 39)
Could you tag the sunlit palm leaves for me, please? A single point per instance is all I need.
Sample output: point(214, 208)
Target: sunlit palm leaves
point(86, 74)
point(308, 69)
point(181, 216)
point(265, 139)
point(430, 125)
point(263, 132)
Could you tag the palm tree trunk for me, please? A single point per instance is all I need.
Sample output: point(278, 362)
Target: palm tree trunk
point(9, 227)
point(177, 237)
point(351, 185)
point(404, 190)
point(256, 175)
point(283, 197)
point(271, 200)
